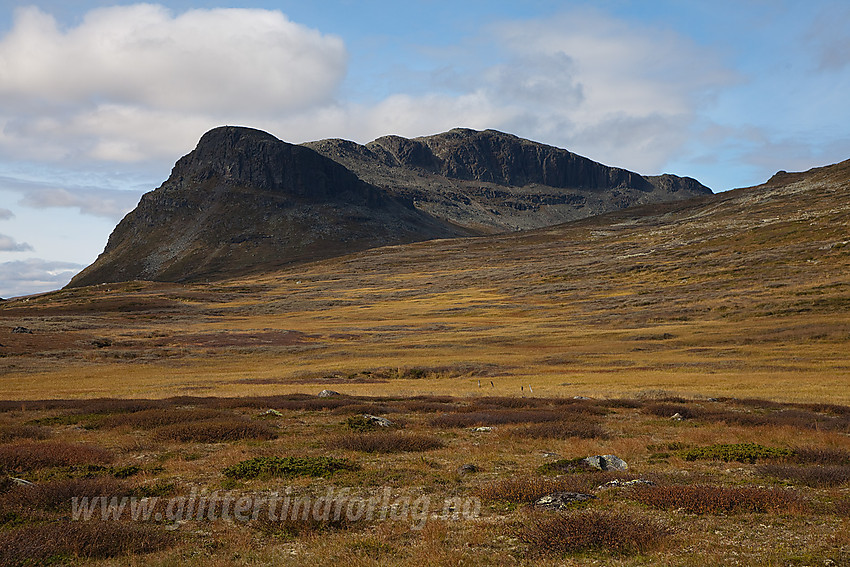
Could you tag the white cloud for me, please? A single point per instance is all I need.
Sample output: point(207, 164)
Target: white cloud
point(108, 203)
point(622, 94)
point(205, 60)
point(8, 244)
point(138, 82)
point(24, 277)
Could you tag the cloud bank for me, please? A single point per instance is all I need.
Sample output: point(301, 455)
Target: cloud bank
point(24, 277)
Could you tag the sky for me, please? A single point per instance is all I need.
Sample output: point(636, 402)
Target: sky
point(98, 99)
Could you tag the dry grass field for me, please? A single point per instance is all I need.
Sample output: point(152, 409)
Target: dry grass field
point(731, 311)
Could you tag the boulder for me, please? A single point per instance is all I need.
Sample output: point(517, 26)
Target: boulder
point(606, 463)
point(561, 500)
point(328, 394)
point(468, 468)
point(377, 420)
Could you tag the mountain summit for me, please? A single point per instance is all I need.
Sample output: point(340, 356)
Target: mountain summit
point(244, 201)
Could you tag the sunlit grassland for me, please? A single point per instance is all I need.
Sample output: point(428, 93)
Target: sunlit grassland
point(744, 295)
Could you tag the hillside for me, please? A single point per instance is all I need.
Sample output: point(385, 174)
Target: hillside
point(245, 202)
point(743, 293)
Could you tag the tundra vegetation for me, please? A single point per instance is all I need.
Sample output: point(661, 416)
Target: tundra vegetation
point(710, 490)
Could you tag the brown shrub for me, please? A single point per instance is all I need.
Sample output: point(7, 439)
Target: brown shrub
point(215, 431)
point(562, 430)
point(820, 475)
point(668, 410)
point(374, 409)
point(40, 544)
point(385, 442)
point(495, 417)
point(527, 489)
point(29, 455)
point(10, 432)
point(57, 494)
point(822, 456)
point(152, 418)
point(707, 499)
point(300, 519)
point(581, 531)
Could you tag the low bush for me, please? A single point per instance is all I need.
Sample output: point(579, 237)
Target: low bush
point(374, 409)
point(708, 499)
point(360, 423)
point(562, 466)
point(821, 456)
point(495, 417)
point(275, 467)
point(742, 452)
point(818, 475)
point(29, 455)
point(527, 489)
point(11, 432)
point(297, 520)
point(582, 531)
point(216, 431)
point(562, 430)
point(385, 442)
point(57, 542)
point(57, 494)
point(669, 410)
point(159, 417)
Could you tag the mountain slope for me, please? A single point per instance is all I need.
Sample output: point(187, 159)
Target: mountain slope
point(495, 182)
point(244, 201)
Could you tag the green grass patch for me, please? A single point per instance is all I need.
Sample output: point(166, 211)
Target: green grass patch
point(741, 452)
point(276, 467)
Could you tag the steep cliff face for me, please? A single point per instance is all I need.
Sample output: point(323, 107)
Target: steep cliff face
point(491, 181)
point(245, 201)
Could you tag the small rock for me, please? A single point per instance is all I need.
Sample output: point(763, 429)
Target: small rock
point(482, 429)
point(273, 412)
point(580, 398)
point(468, 468)
point(328, 394)
point(549, 455)
point(561, 500)
point(22, 330)
point(606, 463)
point(677, 417)
point(377, 420)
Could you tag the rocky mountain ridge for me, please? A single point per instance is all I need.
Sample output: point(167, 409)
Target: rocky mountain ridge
point(494, 182)
point(244, 201)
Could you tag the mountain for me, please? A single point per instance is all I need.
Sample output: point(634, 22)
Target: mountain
point(244, 201)
point(494, 182)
